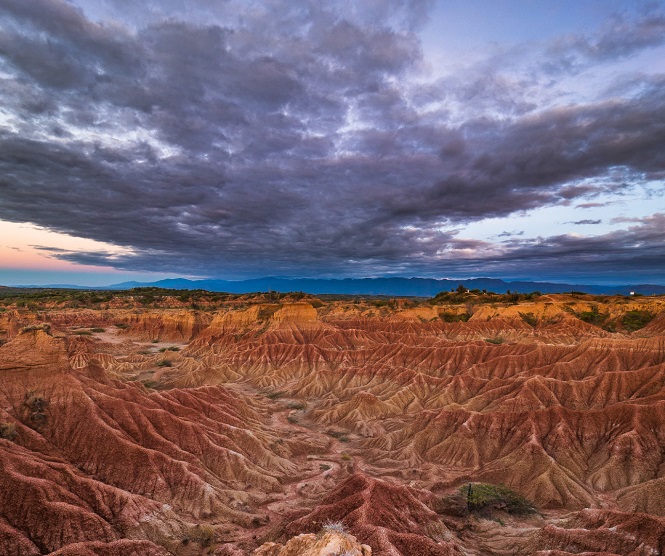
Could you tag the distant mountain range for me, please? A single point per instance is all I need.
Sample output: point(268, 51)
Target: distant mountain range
point(417, 287)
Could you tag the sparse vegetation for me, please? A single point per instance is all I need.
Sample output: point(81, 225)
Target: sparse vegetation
point(636, 319)
point(266, 312)
point(296, 405)
point(165, 363)
point(463, 295)
point(530, 319)
point(34, 327)
point(203, 535)
point(333, 527)
point(484, 499)
point(34, 409)
point(497, 340)
point(447, 316)
point(8, 431)
point(594, 316)
point(97, 330)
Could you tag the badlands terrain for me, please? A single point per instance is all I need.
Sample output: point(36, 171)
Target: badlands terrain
point(155, 422)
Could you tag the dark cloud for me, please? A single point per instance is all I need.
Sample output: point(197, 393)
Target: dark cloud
point(586, 222)
point(289, 141)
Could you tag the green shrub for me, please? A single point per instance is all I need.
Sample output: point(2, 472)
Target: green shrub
point(498, 340)
point(634, 320)
point(165, 363)
point(484, 498)
point(454, 317)
point(97, 330)
point(593, 316)
point(530, 319)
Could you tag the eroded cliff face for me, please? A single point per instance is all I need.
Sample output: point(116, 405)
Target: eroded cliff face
point(126, 431)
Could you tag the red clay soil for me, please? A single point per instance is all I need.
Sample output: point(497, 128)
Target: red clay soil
point(192, 432)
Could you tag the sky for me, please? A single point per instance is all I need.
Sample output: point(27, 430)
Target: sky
point(517, 139)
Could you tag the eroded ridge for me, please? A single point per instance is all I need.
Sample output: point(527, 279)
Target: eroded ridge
point(251, 420)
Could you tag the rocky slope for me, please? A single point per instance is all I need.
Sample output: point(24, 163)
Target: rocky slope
point(128, 430)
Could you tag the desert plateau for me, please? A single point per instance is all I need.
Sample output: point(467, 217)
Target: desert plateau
point(153, 422)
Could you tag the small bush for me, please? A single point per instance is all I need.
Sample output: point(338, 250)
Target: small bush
point(274, 395)
point(454, 317)
point(530, 319)
point(333, 527)
point(498, 340)
point(155, 341)
point(83, 332)
point(98, 330)
point(593, 316)
point(35, 409)
point(346, 457)
point(634, 320)
point(296, 405)
point(204, 535)
point(174, 348)
point(34, 327)
point(324, 466)
point(8, 431)
point(484, 498)
point(292, 419)
point(165, 363)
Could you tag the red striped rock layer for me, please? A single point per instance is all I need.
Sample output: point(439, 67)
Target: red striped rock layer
point(94, 460)
point(564, 413)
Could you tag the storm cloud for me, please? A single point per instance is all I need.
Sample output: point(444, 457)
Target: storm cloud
point(301, 139)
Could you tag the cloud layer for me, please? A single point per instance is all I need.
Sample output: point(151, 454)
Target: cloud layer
point(296, 139)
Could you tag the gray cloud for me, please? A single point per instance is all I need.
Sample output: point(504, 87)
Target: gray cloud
point(287, 142)
point(622, 36)
point(586, 222)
